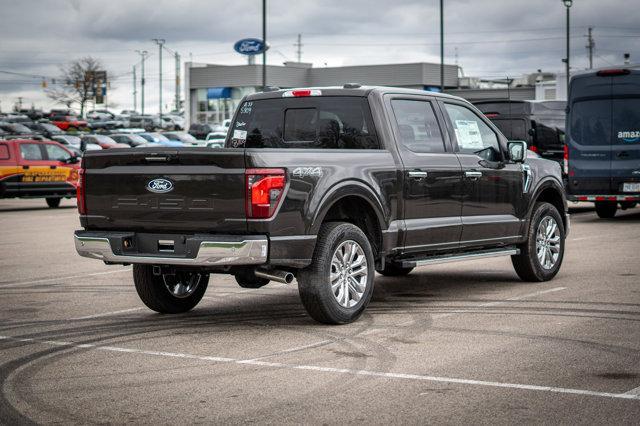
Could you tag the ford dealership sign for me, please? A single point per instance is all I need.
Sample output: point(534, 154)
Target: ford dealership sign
point(249, 46)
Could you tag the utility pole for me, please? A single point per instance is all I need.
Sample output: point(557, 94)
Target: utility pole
point(298, 46)
point(177, 101)
point(441, 46)
point(160, 42)
point(567, 5)
point(135, 91)
point(144, 55)
point(590, 45)
point(264, 40)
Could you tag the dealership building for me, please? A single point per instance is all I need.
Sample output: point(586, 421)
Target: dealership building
point(212, 92)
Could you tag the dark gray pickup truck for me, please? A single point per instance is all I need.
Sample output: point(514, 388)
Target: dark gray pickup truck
point(327, 185)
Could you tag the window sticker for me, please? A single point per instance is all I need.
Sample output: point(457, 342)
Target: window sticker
point(246, 108)
point(239, 134)
point(468, 134)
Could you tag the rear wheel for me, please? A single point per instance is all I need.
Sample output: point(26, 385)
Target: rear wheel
point(393, 270)
point(337, 287)
point(169, 293)
point(606, 209)
point(53, 202)
point(541, 256)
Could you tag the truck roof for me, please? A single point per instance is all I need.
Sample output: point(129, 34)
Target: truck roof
point(361, 91)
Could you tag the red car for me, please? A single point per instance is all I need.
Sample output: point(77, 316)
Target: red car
point(69, 122)
point(33, 169)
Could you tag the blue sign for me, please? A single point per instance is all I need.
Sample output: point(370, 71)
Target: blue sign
point(249, 46)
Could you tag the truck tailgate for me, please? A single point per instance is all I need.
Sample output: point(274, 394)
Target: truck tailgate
point(165, 189)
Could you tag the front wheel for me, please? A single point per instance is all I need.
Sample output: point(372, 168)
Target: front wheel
point(53, 202)
point(169, 293)
point(606, 209)
point(337, 287)
point(541, 256)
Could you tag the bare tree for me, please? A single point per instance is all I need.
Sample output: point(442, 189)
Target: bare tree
point(77, 83)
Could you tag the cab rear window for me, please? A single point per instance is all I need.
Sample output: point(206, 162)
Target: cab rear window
point(4, 151)
point(337, 122)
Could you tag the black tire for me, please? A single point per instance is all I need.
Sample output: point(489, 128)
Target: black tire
point(393, 270)
point(247, 279)
point(527, 265)
point(53, 202)
point(606, 209)
point(314, 281)
point(154, 293)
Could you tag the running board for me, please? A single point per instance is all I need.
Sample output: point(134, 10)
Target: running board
point(460, 256)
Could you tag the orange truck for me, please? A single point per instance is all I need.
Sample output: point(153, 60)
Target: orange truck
point(37, 169)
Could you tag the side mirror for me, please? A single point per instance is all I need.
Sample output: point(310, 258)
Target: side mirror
point(517, 151)
point(72, 160)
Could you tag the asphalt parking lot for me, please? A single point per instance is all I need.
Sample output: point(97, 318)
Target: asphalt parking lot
point(455, 343)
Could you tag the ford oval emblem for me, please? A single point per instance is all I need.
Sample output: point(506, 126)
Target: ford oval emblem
point(160, 186)
point(249, 46)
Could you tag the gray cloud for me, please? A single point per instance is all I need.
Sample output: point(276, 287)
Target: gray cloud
point(491, 38)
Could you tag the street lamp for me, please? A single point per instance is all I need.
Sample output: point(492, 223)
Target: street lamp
point(160, 42)
point(567, 5)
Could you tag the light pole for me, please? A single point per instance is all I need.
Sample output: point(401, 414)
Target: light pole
point(264, 40)
point(441, 46)
point(160, 42)
point(567, 5)
point(143, 54)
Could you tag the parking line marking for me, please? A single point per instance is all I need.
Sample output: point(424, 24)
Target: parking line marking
point(106, 314)
point(287, 351)
point(63, 278)
point(635, 391)
point(333, 370)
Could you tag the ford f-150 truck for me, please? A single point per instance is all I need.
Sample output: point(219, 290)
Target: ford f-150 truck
point(327, 185)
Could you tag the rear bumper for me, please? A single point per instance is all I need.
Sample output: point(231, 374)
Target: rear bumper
point(196, 250)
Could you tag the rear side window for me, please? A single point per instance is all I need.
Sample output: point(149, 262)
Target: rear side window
point(4, 151)
point(591, 122)
point(31, 151)
point(417, 126)
point(312, 122)
point(55, 153)
point(626, 121)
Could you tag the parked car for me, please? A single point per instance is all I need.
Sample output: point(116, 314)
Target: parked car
point(74, 143)
point(183, 137)
point(105, 142)
point(382, 179)
point(216, 139)
point(200, 131)
point(159, 138)
point(539, 123)
point(17, 129)
point(105, 125)
point(69, 122)
point(45, 129)
point(177, 121)
point(145, 122)
point(602, 153)
point(131, 139)
point(100, 114)
point(32, 168)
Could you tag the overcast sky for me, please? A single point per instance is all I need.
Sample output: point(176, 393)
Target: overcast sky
point(492, 38)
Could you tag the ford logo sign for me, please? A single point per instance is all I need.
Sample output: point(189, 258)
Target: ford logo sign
point(160, 186)
point(249, 46)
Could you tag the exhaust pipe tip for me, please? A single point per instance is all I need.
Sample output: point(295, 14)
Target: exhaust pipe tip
point(283, 277)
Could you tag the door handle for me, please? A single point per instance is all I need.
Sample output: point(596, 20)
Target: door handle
point(622, 154)
point(418, 175)
point(473, 175)
point(25, 167)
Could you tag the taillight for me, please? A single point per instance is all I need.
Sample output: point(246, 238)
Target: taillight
point(566, 159)
point(533, 148)
point(301, 93)
point(264, 191)
point(613, 72)
point(80, 192)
